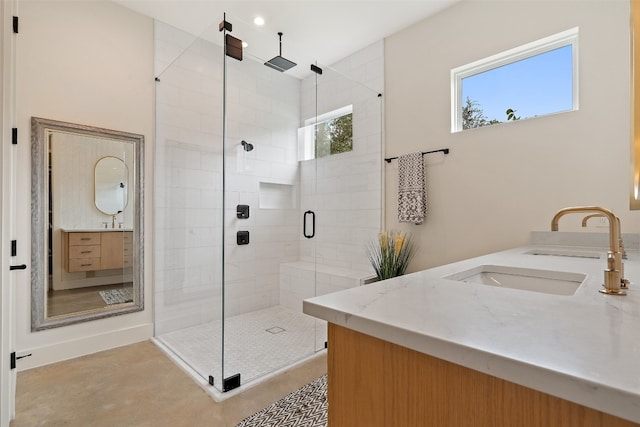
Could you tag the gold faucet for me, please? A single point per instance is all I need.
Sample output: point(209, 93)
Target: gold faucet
point(613, 280)
point(113, 219)
point(599, 215)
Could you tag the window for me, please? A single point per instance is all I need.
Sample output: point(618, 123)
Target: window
point(328, 134)
point(536, 79)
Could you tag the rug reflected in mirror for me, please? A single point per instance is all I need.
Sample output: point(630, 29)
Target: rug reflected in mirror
point(117, 296)
point(305, 407)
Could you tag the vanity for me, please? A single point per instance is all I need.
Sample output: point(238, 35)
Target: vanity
point(94, 250)
point(448, 347)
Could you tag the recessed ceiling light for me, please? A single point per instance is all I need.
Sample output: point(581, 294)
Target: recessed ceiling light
point(259, 21)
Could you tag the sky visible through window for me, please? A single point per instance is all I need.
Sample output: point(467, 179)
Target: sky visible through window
point(538, 85)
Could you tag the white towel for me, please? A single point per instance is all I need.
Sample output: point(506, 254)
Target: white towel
point(412, 196)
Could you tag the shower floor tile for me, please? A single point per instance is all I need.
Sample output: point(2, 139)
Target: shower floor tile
point(256, 343)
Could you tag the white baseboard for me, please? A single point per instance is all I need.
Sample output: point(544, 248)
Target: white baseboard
point(83, 346)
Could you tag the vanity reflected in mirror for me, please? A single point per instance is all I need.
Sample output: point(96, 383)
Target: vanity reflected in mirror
point(86, 215)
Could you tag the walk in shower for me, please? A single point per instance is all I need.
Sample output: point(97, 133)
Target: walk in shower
point(267, 191)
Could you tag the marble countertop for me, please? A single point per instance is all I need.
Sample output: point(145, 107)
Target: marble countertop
point(584, 347)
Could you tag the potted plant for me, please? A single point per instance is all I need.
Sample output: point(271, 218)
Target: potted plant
point(390, 254)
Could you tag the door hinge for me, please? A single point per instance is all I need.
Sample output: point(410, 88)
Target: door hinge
point(15, 24)
point(14, 359)
point(14, 136)
point(14, 247)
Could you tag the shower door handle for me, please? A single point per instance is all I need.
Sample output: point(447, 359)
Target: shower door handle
point(313, 224)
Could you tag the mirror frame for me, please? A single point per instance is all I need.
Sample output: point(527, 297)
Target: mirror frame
point(39, 223)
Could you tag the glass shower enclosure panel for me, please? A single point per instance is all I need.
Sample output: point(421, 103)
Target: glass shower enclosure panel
point(348, 176)
point(188, 228)
point(265, 278)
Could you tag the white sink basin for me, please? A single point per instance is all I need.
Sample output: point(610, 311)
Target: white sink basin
point(525, 279)
point(560, 252)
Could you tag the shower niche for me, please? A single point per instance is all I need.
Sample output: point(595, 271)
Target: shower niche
point(217, 300)
point(277, 196)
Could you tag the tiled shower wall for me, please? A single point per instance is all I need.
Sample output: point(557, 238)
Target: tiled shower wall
point(265, 108)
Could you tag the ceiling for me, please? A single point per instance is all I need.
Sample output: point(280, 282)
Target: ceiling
point(316, 31)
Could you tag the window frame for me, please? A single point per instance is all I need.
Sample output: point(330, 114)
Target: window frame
point(538, 47)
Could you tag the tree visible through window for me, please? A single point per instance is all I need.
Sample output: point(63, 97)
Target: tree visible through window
point(331, 134)
point(334, 136)
point(529, 81)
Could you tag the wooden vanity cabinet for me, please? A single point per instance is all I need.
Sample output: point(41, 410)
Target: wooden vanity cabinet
point(374, 383)
point(92, 251)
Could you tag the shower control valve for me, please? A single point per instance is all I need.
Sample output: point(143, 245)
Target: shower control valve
point(242, 211)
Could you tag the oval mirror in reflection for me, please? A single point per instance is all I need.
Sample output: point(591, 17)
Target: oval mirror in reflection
point(111, 185)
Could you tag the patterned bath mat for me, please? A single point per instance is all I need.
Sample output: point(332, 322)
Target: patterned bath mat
point(117, 296)
point(305, 407)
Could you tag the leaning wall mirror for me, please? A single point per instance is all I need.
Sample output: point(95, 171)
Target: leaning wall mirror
point(86, 223)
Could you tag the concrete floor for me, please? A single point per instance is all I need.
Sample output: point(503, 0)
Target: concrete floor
point(138, 385)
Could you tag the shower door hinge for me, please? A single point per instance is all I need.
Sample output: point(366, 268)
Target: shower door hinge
point(316, 69)
point(14, 136)
point(231, 382)
point(14, 248)
point(15, 24)
point(225, 25)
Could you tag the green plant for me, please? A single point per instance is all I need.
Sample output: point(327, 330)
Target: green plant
point(511, 114)
point(390, 254)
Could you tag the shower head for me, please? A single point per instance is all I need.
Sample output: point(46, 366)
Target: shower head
point(279, 62)
point(247, 146)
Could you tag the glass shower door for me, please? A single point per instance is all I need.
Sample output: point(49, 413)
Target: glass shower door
point(188, 199)
point(348, 163)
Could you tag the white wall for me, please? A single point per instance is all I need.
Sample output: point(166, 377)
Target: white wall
point(500, 182)
point(89, 63)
